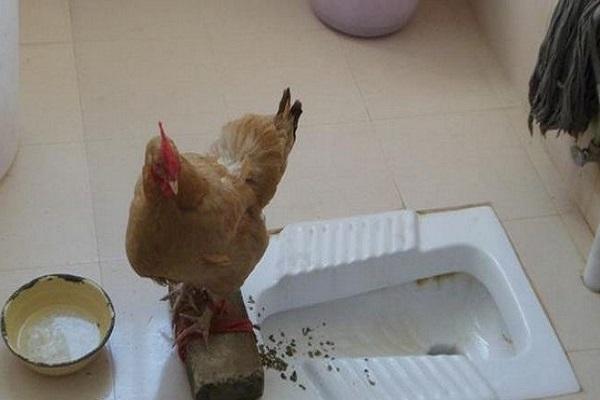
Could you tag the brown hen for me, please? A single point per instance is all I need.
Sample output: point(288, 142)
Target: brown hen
point(196, 221)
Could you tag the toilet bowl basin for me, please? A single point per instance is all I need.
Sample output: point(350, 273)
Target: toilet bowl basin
point(402, 305)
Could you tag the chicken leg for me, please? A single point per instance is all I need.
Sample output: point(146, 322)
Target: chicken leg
point(181, 296)
point(197, 325)
point(191, 320)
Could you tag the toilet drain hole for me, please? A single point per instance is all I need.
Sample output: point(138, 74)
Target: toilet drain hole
point(442, 349)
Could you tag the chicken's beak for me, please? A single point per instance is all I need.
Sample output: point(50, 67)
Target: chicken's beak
point(174, 186)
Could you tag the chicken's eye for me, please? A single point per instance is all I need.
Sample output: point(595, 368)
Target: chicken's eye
point(159, 169)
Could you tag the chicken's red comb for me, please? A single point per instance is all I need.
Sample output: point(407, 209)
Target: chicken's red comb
point(163, 135)
point(168, 153)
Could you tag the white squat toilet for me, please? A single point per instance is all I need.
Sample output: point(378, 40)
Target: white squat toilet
point(403, 305)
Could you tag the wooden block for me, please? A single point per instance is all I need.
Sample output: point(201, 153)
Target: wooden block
point(230, 367)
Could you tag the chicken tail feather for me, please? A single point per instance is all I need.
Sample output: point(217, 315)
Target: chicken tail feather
point(284, 103)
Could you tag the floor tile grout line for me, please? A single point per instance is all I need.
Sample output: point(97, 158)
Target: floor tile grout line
point(354, 79)
point(80, 140)
point(111, 358)
point(519, 145)
point(558, 209)
point(444, 113)
point(48, 43)
point(563, 216)
point(529, 150)
point(50, 143)
point(387, 166)
point(537, 172)
point(593, 349)
point(375, 122)
point(399, 193)
point(130, 139)
point(174, 38)
point(83, 131)
point(487, 47)
point(531, 160)
point(571, 236)
point(89, 179)
point(104, 261)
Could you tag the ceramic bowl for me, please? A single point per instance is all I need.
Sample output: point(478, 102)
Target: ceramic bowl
point(56, 324)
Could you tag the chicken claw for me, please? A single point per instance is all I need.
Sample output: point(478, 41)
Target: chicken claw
point(182, 297)
point(199, 325)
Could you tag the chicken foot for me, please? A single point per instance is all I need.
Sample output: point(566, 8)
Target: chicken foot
point(182, 297)
point(199, 314)
point(199, 325)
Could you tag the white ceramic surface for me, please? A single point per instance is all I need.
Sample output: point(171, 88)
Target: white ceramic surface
point(9, 80)
point(426, 306)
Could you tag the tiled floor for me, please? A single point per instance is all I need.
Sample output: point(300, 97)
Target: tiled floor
point(421, 119)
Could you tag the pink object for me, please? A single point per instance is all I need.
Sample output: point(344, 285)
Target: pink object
point(365, 18)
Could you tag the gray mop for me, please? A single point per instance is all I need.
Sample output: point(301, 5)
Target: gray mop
point(562, 90)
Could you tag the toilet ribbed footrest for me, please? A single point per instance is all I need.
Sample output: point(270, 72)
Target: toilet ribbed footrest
point(450, 377)
point(318, 245)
